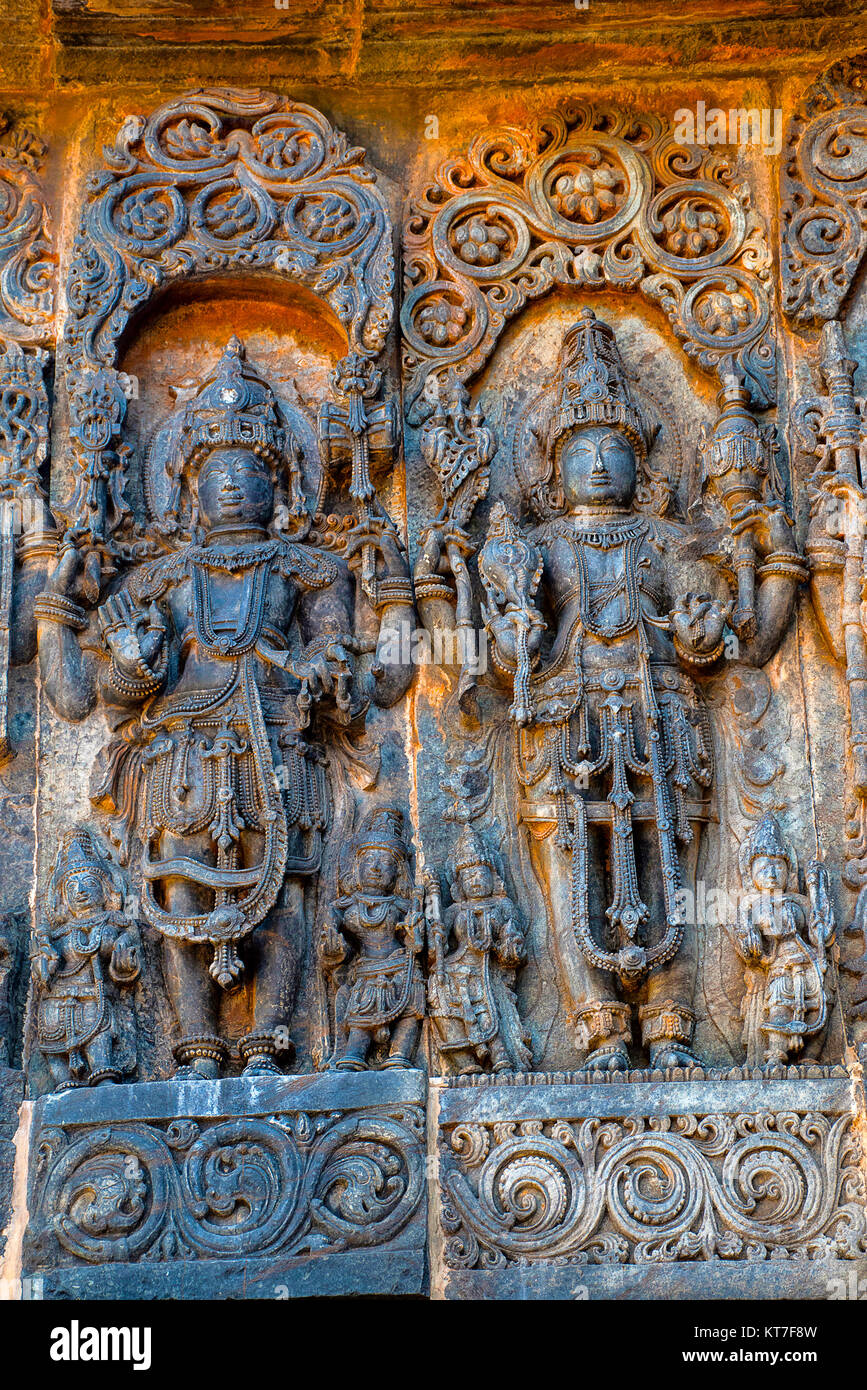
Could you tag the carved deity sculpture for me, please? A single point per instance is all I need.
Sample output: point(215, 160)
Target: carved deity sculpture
point(613, 749)
point(471, 988)
point(783, 938)
point(80, 956)
point(224, 665)
point(380, 1002)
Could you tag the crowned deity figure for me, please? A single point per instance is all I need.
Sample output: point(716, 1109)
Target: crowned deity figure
point(377, 924)
point(471, 987)
point(225, 665)
point(783, 938)
point(79, 956)
point(612, 743)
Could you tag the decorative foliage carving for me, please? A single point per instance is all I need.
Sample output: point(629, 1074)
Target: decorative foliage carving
point(27, 260)
point(653, 1190)
point(223, 181)
point(823, 217)
point(292, 1183)
point(590, 198)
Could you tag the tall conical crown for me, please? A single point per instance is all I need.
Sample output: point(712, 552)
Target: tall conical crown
point(592, 388)
point(234, 406)
point(382, 828)
point(766, 838)
point(79, 853)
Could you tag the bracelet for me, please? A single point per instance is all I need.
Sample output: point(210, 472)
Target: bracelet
point(785, 563)
point(698, 658)
point(149, 680)
point(397, 589)
point(56, 608)
point(433, 587)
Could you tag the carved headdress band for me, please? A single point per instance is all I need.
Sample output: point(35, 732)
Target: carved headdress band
point(766, 838)
point(592, 386)
point(78, 853)
point(382, 829)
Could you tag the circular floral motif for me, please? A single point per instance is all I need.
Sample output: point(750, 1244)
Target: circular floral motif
point(441, 323)
point(723, 313)
point(690, 229)
point(328, 218)
point(231, 214)
point(479, 242)
point(588, 193)
point(144, 214)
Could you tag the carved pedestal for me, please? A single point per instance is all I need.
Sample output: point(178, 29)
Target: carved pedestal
point(633, 1189)
point(250, 1188)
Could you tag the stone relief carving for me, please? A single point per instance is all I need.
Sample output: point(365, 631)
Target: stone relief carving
point(823, 180)
point(218, 663)
point(81, 956)
point(612, 750)
point(471, 996)
point(589, 198)
point(230, 594)
point(651, 1190)
point(229, 180)
point(290, 1182)
point(783, 939)
point(27, 256)
point(831, 429)
point(377, 924)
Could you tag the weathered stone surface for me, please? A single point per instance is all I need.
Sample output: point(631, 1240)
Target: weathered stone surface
point(433, 674)
point(258, 1187)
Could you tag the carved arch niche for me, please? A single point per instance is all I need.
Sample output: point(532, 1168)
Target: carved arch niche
point(224, 211)
point(590, 198)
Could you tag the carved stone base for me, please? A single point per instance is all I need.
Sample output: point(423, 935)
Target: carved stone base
point(695, 1189)
point(259, 1187)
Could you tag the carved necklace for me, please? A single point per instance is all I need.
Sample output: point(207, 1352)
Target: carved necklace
point(590, 602)
point(233, 635)
point(371, 909)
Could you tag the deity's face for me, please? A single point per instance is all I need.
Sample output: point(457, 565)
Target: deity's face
point(770, 873)
point(377, 871)
point(476, 881)
point(85, 893)
point(235, 489)
point(597, 468)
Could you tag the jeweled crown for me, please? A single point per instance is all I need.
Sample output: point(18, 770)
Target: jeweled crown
point(592, 388)
point(234, 406)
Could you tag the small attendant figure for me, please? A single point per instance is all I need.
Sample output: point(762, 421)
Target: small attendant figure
point(471, 990)
point(78, 957)
point(782, 938)
point(380, 1002)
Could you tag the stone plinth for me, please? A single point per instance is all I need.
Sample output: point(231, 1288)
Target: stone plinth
point(694, 1189)
point(248, 1188)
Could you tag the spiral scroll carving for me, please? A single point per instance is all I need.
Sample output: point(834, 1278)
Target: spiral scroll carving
point(653, 1190)
point(823, 216)
point(590, 198)
point(241, 1187)
point(225, 181)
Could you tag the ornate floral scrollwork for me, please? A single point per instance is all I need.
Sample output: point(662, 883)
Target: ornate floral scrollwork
point(823, 218)
point(589, 198)
point(27, 261)
point(225, 180)
point(653, 1190)
point(240, 1187)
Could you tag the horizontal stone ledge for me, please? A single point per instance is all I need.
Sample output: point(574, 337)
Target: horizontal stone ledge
point(550, 1101)
point(260, 1095)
